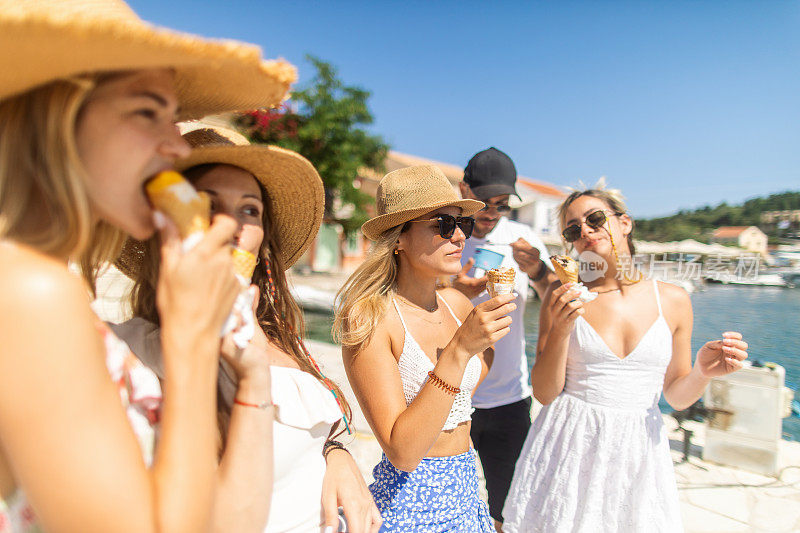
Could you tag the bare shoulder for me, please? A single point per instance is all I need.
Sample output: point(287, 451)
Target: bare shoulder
point(53, 325)
point(462, 306)
point(388, 334)
point(676, 304)
point(35, 282)
point(674, 297)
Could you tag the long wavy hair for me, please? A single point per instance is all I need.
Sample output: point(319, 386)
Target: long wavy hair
point(363, 299)
point(277, 312)
point(41, 172)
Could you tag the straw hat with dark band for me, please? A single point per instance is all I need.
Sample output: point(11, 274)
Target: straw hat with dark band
point(46, 40)
point(409, 192)
point(295, 191)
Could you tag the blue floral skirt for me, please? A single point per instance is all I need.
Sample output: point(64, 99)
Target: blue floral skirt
point(440, 495)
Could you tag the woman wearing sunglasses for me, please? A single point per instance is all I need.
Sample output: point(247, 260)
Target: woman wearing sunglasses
point(597, 457)
point(414, 355)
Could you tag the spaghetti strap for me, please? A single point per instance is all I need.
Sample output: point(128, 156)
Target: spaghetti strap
point(658, 298)
point(447, 305)
point(405, 328)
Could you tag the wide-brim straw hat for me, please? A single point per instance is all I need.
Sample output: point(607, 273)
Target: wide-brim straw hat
point(294, 188)
point(46, 40)
point(407, 193)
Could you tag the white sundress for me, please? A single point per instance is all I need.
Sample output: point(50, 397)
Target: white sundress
point(597, 458)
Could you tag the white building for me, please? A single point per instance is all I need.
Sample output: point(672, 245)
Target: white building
point(750, 238)
point(538, 208)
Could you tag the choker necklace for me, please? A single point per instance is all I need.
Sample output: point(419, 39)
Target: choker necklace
point(609, 290)
point(409, 303)
point(614, 290)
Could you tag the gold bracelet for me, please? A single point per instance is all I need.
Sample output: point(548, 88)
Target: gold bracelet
point(439, 382)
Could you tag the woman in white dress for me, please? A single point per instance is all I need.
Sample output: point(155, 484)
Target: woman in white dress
point(597, 457)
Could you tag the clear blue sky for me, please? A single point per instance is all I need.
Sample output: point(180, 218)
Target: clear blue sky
point(679, 104)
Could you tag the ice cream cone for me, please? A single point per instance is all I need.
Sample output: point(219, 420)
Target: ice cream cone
point(566, 268)
point(500, 281)
point(172, 194)
point(244, 263)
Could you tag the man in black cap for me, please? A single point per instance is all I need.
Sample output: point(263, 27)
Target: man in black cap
point(503, 400)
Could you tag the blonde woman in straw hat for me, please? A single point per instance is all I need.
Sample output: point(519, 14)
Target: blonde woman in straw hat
point(88, 99)
point(597, 456)
point(277, 199)
point(414, 354)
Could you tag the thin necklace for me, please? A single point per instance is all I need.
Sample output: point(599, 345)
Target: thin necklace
point(422, 317)
point(614, 290)
point(609, 290)
point(409, 303)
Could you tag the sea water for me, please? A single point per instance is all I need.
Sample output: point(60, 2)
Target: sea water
point(768, 317)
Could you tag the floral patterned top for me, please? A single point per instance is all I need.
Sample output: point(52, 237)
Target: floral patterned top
point(140, 393)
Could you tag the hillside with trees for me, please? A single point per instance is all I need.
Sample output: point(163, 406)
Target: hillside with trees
point(699, 223)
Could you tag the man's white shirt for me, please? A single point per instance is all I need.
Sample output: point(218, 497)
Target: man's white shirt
point(508, 380)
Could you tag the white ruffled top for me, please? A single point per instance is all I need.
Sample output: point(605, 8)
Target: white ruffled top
point(306, 411)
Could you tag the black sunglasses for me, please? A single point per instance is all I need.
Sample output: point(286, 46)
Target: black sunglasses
point(500, 208)
point(594, 220)
point(448, 224)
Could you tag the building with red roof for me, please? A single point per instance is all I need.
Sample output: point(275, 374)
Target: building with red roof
point(748, 237)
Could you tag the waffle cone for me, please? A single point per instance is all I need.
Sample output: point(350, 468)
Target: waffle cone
point(500, 281)
point(566, 268)
point(172, 194)
point(501, 275)
point(244, 263)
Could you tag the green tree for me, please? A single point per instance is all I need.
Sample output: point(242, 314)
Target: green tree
point(324, 121)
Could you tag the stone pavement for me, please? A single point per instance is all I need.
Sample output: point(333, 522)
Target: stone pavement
point(714, 498)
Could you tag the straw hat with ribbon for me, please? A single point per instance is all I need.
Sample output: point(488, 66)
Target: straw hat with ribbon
point(47, 40)
point(295, 191)
point(409, 192)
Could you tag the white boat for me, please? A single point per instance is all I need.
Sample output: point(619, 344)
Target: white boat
point(761, 280)
point(311, 299)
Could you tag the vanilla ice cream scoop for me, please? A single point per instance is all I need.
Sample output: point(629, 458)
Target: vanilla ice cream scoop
point(500, 281)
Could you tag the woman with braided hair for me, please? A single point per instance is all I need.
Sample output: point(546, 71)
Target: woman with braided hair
point(279, 468)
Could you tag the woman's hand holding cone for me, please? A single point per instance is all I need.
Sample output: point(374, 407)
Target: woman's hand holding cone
point(564, 309)
point(486, 324)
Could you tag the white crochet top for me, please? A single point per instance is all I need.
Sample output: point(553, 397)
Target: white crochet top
point(414, 366)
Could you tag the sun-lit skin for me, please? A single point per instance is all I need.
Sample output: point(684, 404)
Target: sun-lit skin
point(425, 252)
point(622, 314)
point(485, 221)
point(125, 134)
point(234, 192)
point(599, 240)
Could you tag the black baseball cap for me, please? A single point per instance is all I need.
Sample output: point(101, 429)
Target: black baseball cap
point(491, 173)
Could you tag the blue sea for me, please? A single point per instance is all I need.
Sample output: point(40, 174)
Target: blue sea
point(768, 317)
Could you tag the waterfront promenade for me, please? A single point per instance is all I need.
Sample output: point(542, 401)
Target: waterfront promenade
point(714, 498)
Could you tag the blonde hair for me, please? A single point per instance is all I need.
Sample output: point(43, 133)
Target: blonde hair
point(613, 198)
point(277, 312)
point(41, 172)
point(363, 299)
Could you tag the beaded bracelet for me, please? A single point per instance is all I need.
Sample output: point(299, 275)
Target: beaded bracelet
point(439, 382)
point(331, 445)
